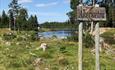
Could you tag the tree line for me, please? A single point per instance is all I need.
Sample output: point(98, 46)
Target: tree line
point(108, 4)
point(59, 25)
point(17, 18)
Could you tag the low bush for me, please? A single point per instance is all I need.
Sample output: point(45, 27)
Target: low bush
point(88, 40)
point(63, 49)
point(72, 38)
point(9, 36)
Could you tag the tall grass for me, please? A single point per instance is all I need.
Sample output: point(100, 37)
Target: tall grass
point(60, 55)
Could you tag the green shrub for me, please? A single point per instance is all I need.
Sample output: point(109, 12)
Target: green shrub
point(63, 49)
point(9, 36)
point(88, 40)
point(34, 37)
point(27, 36)
point(21, 39)
point(72, 38)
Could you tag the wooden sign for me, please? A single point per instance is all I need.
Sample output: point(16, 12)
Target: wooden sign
point(91, 13)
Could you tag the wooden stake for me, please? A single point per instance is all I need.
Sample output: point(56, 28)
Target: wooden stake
point(97, 64)
point(80, 47)
point(91, 27)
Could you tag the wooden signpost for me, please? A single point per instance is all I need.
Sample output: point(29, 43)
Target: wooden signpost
point(91, 14)
point(80, 47)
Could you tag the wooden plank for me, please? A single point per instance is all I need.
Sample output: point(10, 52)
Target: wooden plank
point(91, 13)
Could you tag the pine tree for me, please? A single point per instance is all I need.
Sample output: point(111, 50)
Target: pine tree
point(33, 23)
point(72, 14)
point(4, 20)
point(14, 8)
point(0, 20)
point(22, 19)
point(36, 22)
point(11, 20)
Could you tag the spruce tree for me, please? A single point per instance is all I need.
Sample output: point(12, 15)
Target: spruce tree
point(4, 20)
point(72, 14)
point(0, 20)
point(14, 7)
point(22, 19)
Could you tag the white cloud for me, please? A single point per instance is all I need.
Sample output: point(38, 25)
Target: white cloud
point(25, 1)
point(66, 1)
point(46, 13)
point(46, 5)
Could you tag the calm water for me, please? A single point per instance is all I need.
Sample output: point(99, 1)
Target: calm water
point(58, 34)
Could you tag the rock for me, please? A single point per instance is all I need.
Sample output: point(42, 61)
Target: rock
point(46, 68)
point(8, 43)
point(17, 43)
point(42, 46)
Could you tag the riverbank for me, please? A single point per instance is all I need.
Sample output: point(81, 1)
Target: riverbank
point(19, 53)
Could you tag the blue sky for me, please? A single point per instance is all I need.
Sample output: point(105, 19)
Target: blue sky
point(46, 10)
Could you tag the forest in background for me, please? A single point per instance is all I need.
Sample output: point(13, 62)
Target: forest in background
point(17, 18)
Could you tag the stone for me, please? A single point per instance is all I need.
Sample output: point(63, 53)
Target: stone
point(42, 46)
point(8, 43)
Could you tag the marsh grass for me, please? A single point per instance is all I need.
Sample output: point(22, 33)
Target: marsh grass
point(60, 55)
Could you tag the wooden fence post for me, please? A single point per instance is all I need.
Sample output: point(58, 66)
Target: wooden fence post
point(97, 63)
point(80, 46)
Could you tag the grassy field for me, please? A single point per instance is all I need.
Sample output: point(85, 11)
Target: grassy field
point(109, 36)
point(19, 52)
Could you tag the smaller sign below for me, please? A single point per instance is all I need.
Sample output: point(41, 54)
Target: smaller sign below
point(91, 13)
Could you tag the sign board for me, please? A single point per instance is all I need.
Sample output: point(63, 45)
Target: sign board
point(91, 13)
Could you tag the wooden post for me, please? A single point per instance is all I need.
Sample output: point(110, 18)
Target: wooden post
point(91, 27)
point(97, 64)
point(93, 2)
point(80, 47)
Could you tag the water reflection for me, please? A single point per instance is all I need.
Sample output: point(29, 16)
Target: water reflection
point(58, 34)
